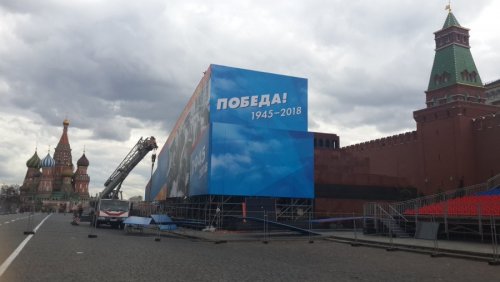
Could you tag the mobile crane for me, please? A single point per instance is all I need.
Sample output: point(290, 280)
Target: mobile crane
point(111, 209)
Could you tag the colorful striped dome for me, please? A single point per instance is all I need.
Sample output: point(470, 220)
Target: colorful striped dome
point(48, 161)
point(34, 161)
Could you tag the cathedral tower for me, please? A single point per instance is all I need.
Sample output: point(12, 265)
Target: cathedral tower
point(47, 179)
point(31, 180)
point(62, 157)
point(81, 178)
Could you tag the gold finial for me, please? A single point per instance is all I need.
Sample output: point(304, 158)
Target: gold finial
point(448, 7)
point(48, 150)
point(66, 120)
point(84, 149)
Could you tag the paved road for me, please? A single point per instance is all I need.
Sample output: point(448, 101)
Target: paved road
point(12, 227)
point(62, 252)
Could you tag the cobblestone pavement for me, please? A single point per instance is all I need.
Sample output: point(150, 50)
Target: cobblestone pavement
point(61, 252)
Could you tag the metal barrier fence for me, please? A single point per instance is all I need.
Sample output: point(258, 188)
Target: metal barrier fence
point(456, 217)
point(494, 241)
point(378, 218)
point(400, 207)
point(260, 221)
point(399, 230)
point(407, 214)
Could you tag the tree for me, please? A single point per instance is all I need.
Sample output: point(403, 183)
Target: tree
point(9, 198)
point(136, 199)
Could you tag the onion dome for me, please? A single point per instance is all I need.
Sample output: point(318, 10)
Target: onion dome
point(66, 122)
point(67, 172)
point(48, 161)
point(34, 161)
point(83, 161)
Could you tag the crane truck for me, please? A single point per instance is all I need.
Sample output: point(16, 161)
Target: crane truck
point(109, 207)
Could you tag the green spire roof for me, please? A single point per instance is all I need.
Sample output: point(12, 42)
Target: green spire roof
point(450, 21)
point(453, 64)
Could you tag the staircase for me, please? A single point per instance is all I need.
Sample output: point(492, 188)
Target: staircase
point(384, 220)
point(394, 228)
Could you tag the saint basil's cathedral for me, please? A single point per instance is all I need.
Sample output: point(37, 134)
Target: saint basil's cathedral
point(51, 183)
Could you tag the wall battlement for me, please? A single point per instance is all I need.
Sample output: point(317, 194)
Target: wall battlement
point(486, 122)
point(399, 139)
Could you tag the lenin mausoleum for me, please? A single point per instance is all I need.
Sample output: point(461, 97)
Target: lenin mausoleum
point(455, 143)
point(243, 139)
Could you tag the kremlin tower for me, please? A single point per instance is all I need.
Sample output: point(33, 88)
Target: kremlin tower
point(56, 186)
point(454, 146)
point(454, 75)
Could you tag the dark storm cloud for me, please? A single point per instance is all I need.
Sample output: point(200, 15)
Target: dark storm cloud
point(106, 59)
point(121, 69)
point(92, 69)
point(383, 56)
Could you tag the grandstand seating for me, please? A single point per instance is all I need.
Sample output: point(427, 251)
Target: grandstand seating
point(479, 204)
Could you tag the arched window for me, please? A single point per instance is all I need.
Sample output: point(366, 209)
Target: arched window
point(474, 76)
point(466, 75)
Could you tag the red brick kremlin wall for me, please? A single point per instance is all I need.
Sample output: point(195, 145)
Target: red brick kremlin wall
point(486, 132)
point(455, 145)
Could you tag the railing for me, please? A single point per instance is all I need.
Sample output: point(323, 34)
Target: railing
point(382, 218)
point(417, 203)
point(401, 207)
point(398, 214)
point(447, 206)
point(493, 182)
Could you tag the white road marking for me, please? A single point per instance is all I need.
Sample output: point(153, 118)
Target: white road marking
point(6, 222)
point(19, 248)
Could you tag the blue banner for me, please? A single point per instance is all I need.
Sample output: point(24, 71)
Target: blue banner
point(264, 162)
point(171, 177)
point(198, 177)
point(260, 99)
point(242, 133)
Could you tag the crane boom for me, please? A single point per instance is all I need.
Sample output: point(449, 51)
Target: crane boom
point(139, 151)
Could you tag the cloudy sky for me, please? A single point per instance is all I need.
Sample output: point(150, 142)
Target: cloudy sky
point(119, 70)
